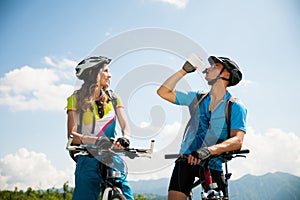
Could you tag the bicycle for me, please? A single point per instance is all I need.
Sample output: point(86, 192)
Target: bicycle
point(208, 187)
point(113, 168)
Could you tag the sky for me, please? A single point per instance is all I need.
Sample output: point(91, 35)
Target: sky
point(42, 41)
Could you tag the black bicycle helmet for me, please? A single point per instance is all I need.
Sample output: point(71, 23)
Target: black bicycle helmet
point(91, 62)
point(231, 66)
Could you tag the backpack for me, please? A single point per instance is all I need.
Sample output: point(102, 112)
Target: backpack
point(196, 102)
point(111, 97)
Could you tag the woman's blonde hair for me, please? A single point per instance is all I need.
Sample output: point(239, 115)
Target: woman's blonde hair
point(86, 94)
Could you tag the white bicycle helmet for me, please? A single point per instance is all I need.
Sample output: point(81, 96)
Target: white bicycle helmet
point(91, 62)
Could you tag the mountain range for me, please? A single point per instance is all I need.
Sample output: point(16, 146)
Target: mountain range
point(272, 186)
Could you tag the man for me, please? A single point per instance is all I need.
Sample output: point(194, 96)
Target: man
point(207, 132)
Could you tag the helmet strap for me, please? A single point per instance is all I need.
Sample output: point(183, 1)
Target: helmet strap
point(226, 79)
point(213, 81)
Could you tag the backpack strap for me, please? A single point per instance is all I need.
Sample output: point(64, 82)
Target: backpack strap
point(79, 126)
point(94, 119)
point(112, 96)
point(193, 108)
point(79, 129)
point(228, 110)
point(200, 98)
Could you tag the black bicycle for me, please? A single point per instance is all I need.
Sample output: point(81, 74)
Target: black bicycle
point(113, 169)
point(209, 188)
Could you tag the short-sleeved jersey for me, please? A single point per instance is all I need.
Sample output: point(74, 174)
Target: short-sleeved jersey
point(208, 128)
point(104, 126)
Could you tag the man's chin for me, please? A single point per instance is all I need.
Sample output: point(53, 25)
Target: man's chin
point(207, 79)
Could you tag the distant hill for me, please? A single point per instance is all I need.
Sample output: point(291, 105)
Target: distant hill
point(159, 186)
point(273, 186)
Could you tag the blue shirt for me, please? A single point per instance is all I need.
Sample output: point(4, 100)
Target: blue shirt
point(209, 128)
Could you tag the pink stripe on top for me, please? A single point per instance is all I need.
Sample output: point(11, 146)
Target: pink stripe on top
point(106, 125)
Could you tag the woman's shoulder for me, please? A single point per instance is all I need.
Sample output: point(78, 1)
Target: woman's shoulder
point(71, 102)
point(72, 97)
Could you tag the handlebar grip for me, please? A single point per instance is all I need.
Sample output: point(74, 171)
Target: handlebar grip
point(236, 152)
point(151, 146)
point(242, 151)
point(172, 156)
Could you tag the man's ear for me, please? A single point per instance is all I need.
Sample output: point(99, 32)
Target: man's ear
point(226, 74)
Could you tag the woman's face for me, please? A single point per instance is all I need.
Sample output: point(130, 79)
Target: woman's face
point(104, 76)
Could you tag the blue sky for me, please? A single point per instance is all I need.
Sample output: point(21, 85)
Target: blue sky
point(41, 42)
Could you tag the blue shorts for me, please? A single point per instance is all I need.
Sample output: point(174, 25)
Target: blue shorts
point(88, 180)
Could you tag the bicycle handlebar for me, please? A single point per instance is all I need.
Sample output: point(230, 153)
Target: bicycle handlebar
point(227, 155)
point(242, 151)
point(92, 149)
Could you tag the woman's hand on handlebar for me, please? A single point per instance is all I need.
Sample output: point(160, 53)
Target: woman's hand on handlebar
point(116, 144)
point(123, 142)
point(106, 143)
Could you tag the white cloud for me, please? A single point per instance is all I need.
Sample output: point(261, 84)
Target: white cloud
point(29, 88)
point(49, 61)
point(61, 64)
point(178, 3)
point(30, 169)
point(246, 83)
point(274, 150)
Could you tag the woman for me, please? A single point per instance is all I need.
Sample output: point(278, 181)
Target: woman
point(91, 114)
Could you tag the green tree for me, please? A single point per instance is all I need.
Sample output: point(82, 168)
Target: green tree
point(139, 197)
